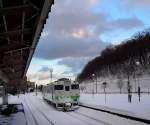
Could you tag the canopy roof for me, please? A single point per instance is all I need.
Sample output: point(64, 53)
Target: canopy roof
point(21, 23)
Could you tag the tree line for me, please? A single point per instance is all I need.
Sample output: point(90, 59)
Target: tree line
point(127, 59)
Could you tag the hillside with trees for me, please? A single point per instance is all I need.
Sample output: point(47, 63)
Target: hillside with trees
point(130, 57)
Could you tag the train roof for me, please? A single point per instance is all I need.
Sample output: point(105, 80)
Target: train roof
point(63, 79)
point(61, 82)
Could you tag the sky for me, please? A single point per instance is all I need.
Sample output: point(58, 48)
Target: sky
point(76, 31)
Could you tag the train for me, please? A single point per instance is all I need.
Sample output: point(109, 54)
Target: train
point(63, 93)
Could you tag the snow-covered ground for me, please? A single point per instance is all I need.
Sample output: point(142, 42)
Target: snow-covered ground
point(116, 101)
point(39, 112)
point(119, 102)
point(112, 85)
point(16, 118)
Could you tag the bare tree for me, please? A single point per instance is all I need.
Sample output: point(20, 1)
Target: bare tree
point(120, 84)
point(82, 88)
point(137, 48)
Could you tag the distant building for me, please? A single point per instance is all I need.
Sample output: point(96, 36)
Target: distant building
point(31, 85)
point(17, 85)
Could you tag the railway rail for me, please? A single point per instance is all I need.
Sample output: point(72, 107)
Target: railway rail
point(34, 118)
point(79, 115)
point(119, 114)
point(82, 116)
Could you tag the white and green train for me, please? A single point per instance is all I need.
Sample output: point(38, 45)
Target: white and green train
point(63, 93)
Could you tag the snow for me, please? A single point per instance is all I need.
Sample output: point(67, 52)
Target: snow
point(108, 119)
point(116, 102)
point(38, 112)
point(119, 103)
point(18, 119)
point(112, 87)
point(80, 117)
point(14, 118)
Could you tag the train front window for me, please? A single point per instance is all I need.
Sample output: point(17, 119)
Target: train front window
point(66, 88)
point(58, 87)
point(74, 86)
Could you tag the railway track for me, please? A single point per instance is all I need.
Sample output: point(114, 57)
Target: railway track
point(92, 118)
point(119, 114)
point(36, 122)
point(51, 123)
point(74, 115)
point(79, 115)
point(80, 119)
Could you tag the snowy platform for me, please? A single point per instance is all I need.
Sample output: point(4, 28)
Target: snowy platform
point(12, 114)
point(118, 103)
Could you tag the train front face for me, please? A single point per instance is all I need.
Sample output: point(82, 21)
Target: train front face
point(68, 98)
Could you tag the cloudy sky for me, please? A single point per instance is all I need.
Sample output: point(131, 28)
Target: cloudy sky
point(78, 30)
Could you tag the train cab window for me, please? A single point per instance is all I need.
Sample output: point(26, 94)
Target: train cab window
point(66, 88)
point(58, 87)
point(74, 86)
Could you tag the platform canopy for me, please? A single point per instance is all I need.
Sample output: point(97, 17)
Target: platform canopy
point(21, 24)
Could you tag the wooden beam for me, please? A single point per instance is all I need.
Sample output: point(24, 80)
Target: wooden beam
point(32, 4)
point(23, 19)
point(4, 20)
point(15, 50)
point(15, 10)
point(19, 31)
point(14, 47)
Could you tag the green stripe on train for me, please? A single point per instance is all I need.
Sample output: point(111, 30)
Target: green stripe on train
point(67, 97)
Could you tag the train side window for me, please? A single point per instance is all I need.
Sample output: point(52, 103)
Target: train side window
point(74, 86)
point(66, 88)
point(58, 87)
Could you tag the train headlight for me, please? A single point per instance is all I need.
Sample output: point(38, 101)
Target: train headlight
point(68, 104)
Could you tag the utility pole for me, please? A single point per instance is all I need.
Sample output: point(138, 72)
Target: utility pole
point(51, 71)
point(94, 76)
point(139, 88)
point(36, 87)
point(96, 84)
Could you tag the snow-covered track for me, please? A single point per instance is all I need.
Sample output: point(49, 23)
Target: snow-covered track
point(42, 114)
point(45, 114)
point(51, 123)
point(118, 114)
point(82, 120)
point(79, 114)
point(35, 121)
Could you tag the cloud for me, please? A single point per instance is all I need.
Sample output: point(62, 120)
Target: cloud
point(75, 64)
point(44, 69)
point(44, 76)
point(69, 47)
point(125, 23)
point(41, 76)
point(73, 30)
point(137, 3)
point(73, 34)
